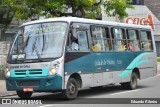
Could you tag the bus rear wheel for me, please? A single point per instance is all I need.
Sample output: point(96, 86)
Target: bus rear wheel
point(24, 95)
point(71, 90)
point(132, 84)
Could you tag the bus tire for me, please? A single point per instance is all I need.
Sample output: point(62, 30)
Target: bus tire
point(71, 90)
point(133, 82)
point(123, 85)
point(24, 95)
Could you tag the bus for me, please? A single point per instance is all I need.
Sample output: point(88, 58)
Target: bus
point(67, 54)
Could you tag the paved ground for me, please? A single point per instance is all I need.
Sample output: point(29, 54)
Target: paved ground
point(147, 89)
point(4, 92)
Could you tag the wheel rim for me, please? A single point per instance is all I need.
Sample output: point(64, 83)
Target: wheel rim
point(71, 89)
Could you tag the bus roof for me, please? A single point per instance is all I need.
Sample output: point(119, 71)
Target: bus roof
point(83, 20)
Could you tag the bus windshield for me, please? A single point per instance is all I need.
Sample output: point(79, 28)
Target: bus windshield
point(39, 41)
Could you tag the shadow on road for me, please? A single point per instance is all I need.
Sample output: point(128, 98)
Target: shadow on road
point(84, 96)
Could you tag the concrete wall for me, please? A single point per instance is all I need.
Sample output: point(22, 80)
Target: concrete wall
point(138, 11)
point(153, 5)
point(158, 67)
point(142, 11)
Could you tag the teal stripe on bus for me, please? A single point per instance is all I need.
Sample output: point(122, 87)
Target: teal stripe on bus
point(113, 61)
point(135, 63)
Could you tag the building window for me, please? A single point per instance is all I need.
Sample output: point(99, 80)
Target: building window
point(137, 2)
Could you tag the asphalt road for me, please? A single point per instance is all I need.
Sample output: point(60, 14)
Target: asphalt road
point(147, 88)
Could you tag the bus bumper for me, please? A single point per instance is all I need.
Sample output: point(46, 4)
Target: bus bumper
point(39, 84)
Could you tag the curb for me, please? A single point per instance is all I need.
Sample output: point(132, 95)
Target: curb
point(8, 94)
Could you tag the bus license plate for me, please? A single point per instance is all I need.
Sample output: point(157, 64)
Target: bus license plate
point(28, 89)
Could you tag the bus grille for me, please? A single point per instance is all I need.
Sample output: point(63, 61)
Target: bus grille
point(28, 83)
point(32, 72)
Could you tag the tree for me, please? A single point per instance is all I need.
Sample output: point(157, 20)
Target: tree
point(7, 13)
point(78, 8)
point(117, 7)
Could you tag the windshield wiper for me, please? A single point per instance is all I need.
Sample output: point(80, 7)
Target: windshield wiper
point(38, 55)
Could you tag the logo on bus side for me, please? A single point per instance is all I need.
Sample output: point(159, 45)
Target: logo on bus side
point(107, 62)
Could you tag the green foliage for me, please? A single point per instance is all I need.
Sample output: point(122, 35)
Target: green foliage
point(158, 59)
point(78, 8)
point(7, 13)
point(118, 7)
point(2, 70)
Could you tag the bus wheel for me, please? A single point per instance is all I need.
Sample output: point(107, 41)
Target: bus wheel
point(24, 95)
point(123, 85)
point(71, 90)
point(133, 82)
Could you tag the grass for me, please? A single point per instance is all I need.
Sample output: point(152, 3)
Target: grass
point(158, 59)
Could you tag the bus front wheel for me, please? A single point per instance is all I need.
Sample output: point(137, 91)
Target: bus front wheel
point(132, 84)
point(71, 90)
point(24, 95)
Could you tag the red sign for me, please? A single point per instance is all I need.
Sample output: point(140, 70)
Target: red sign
point(141, 21)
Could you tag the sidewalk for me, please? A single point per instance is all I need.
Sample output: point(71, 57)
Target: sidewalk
point(3, 91)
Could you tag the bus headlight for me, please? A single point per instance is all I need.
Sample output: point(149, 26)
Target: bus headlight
point(54, 69)
point(8, 72)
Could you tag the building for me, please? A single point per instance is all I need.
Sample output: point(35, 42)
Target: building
point(154, 6)
point(146, 12)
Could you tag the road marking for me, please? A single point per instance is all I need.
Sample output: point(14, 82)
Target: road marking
point(46, 105)
point(125, 92)
point(14, 96)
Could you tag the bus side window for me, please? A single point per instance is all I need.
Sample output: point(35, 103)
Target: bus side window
point(133, 40)
point(107, 40)
point(72, 43)
point(82, 40)
point(146, 41)
point(131, 47)
point(119, 39)
point(100, 38)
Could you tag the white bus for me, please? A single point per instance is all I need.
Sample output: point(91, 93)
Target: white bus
point(68, 53)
